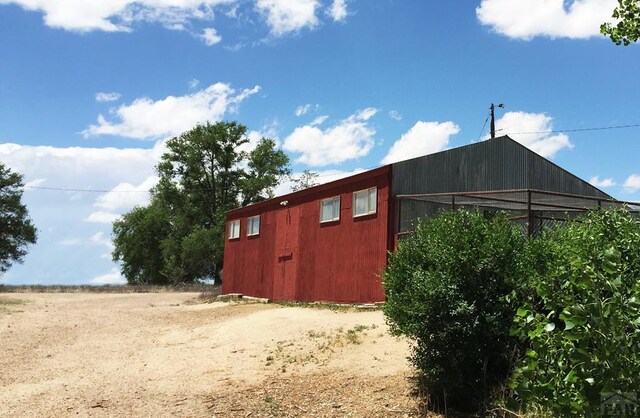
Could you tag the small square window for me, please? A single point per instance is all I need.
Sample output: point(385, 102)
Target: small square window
point(365, 202)
point(234, 229)
point(253, 225)
point(330, 209)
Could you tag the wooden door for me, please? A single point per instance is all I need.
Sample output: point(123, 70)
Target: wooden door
point(286, 263)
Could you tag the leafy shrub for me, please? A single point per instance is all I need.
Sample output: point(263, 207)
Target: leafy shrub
point(451, 287)
point(583, 323)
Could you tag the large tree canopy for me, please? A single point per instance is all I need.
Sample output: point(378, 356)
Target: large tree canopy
point(16, 229)
point(627, 29)
point(179, 237)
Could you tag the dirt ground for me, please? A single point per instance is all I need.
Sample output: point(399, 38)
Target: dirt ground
point(163, 354)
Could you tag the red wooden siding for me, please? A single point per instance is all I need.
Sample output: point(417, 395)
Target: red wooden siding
point(295, 257)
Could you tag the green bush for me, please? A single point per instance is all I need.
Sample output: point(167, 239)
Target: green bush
point(583, 323)
point(451, 287)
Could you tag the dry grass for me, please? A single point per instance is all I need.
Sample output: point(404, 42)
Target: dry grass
point(10, 302)
point(331, 306)
point(10, 305)
point(183, 288)
point(321, 394)
point(317, 350)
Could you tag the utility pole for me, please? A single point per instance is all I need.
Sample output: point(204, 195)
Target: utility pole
point(493, 120)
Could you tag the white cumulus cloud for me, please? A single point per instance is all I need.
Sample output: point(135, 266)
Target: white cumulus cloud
point(349, 139)
point(526, 19)
point(422, 139)
point(112, 278)
point(210, 37)
point(80, 167)
point(595, 181)
point(119, 15)
point(338, 10)
point(282, 17)
point(63, 215)
point(533, 130)
point(632, 184)
point(126, 195)
point(286, 16)
point(147, 118)
point(107, 96)
point(102, 217)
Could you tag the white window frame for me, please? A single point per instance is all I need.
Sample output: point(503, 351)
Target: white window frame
point(234, 229)
point(251, 225)
point(370, 193)
point(335, 213)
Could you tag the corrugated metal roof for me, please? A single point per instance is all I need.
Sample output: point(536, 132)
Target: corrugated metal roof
point(498, 164)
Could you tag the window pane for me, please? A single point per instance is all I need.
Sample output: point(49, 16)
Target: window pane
point(234, 229)
point(372, 200)
point(361, 203)
point(325, 210)
point(364, 202)
point(253, 225)
point(330, 209)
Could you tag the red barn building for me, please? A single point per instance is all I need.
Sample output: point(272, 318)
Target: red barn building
point(330, 242)
point(327, 242)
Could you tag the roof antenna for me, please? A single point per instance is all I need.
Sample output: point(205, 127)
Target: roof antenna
point(493, 119)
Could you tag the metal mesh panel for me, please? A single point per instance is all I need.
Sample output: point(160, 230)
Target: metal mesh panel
point(535, 210)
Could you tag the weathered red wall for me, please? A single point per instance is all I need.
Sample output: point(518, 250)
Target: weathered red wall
point(295, 257)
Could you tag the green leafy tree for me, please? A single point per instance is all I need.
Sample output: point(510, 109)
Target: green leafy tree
point(16, 228)
point(203, 174)
point(266, 168)
point(137, 238)
point(452, 288)
point(627, 28)
point(582, 324)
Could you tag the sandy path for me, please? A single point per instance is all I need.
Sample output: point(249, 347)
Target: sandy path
point(154, 355)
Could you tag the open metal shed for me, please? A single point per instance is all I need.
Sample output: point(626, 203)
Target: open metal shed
point(534, 209)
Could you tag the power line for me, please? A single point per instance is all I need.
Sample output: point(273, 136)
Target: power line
point(337, 173)
point(63, 189)
point(603, 128)
point(483, 126)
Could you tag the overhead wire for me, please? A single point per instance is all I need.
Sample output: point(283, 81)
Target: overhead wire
point(337, 173)
point(65, 189)
point(636, 125)
point(484, 125)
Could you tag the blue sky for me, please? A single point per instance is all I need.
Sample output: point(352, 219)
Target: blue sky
point(90, 90)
